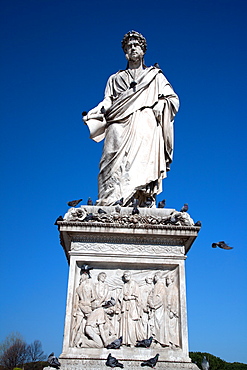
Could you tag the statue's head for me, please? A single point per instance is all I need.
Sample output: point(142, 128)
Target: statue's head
point(133, 35)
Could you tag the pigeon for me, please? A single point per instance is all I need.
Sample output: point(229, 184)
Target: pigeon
point(89, 202)
point(133, 84)
point(222, 245)
point(115, 344)
point(162, 204)
point(184, 208)
point(109, 303)
point(151, 362)
point(53, 361)
point(135, 210)
point(102, 110)
point(89, 217)
point(74, 203)
point(60, 218)
point(156, 65)
point(118, 202)
point(86, 268)
point(144, 343)
point(198, 223)
point(149, 202)
point(113, 362)
point(205, 364)
point(101, 211)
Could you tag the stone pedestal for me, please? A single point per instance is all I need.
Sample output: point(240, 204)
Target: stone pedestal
point(152, 247)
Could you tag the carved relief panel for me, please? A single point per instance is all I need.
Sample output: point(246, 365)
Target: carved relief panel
point(114, 307)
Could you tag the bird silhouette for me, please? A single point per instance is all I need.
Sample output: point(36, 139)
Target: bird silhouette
point(133, 84)
point(101, 211)
point(118, 202)
point(84, 113)
point(135, 210)
point(113, 362)
point(89, 202)
point(205, 363)
point(149, 202)
point(74, 203)
point(102, 110)
point(151, 362)
point(109, 303)
point(144, 343)
point(53, 361)
point(86, 268)
point(198, 223)
point(60, 218)
point(221, 245)
point(184, 208)
point(156, 65)
point(162, 204)
point(115, 344)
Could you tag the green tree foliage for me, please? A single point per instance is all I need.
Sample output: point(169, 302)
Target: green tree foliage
point(215, 363)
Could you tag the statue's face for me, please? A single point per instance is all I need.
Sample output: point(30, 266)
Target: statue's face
point(102, 277)
point(126, 276)
point(133, 50)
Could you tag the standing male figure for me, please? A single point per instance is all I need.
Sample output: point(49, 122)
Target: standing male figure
point(136, 120)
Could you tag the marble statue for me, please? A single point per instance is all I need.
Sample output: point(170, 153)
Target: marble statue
point(146, 311)
point(130, 324)
point(172, 309)
point(136, 120)
point(157, 301)
point(101, 290)
point(85, 295)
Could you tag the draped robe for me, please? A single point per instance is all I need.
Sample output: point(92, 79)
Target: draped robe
point(138, 149)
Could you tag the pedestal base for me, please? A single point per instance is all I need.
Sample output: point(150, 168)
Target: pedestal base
point(77, 364)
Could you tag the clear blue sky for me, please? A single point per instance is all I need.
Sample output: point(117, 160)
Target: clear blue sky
point(56, 58)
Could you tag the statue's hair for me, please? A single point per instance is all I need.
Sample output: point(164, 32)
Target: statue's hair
point(134, 34)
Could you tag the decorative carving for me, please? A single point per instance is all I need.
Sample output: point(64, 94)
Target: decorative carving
point(131, 249)
point(108, 217)
point(132, 305)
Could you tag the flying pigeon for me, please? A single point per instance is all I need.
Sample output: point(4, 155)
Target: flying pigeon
point(144, 343)
point(113, 362)
point(205, 364)
point(184, 208)
point(109, 303)
point(118, 202)
point(151, 362)
point(162, 204)
point(89, 202)
point(222, 245)
point(53, 361)
point(74, 203)
point(60, 218)
point(115, 344)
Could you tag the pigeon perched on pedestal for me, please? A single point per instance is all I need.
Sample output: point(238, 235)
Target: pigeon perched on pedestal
point(144, 343)
point(116, 344)
point(89, 202)
point(53, 361)
point(60, 218)
point(184, 208)
point(162, 204)
point(118, 202)
point(151, 362)
point(222, 245)
point(74, 203)
point(113, 362)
